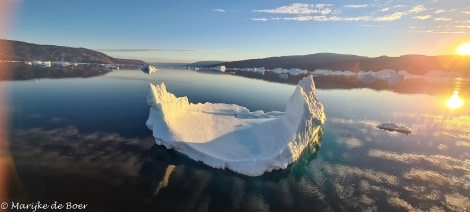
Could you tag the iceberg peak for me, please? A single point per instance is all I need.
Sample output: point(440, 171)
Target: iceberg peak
point(230, 136)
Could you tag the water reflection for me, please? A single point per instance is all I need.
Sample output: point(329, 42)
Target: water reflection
point(357, 168)
point(455, 101)
point(51, 163)
point(186, 185)
point(102, 169)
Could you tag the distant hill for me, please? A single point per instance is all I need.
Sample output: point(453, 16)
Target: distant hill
point(204, 63)
point(17, 50)
point(416, 64)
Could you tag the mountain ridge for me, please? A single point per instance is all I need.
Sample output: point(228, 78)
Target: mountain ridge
point(24, 51)
point(413, 63)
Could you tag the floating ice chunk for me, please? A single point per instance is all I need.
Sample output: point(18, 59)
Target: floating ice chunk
point(280, 71)
point(230, 136)
point(149, 69)
point(394, 127)
point(296, 71)
point(366, 77)
point(332, 73)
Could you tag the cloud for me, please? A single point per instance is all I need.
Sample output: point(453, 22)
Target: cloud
point(330, 13)
point(417, 9)
point(298, 8)
point(320, 6)
point(443, 19)
point(356, 6)
point(259, 19)
point(393, 7)
point(326, 18)
point(424, 17)
point(325, 11)
point(385, 9)
point(322, 12)
point(219, 10)
point(307, 18)
point(391, 17)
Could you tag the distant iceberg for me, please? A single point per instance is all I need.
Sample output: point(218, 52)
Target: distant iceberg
point(149, 69)
point(394, 127)
point(367, 77)
point(220, 68)
point(230, 136)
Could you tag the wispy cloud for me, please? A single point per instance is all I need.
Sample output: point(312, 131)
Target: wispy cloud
point(432, 31)
point(356, 6)
point(219, 10)
point(299, 9)
point(443, 19)
point(417, 9)
point(326, 18)
point(326, 12)
point(378, 12)
point(259, 19)
point(393, 7)
point(391, 17)
point(424, 17)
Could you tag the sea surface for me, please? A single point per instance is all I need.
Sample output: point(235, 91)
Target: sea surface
point(84, 141)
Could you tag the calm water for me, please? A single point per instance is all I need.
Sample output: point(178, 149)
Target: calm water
point(85, 141)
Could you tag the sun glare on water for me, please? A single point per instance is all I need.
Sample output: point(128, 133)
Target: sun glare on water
point(454, 101)
point(464, 49)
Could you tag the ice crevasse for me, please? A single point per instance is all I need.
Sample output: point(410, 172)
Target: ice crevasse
point(230, 136)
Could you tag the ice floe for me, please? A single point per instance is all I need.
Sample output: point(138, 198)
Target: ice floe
point(394, 127)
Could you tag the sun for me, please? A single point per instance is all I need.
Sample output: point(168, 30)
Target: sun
point(464, 49)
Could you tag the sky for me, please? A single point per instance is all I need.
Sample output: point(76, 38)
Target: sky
point(197, 30)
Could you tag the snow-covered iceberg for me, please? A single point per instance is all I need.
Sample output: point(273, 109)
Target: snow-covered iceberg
point(230, 136)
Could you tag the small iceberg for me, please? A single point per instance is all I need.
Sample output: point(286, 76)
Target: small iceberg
point(368, 77)
point(149, 69)
point(111, 67)
point(232, 137)
point(394, 127)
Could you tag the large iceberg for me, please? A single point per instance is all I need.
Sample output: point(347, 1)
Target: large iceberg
point(230, 136)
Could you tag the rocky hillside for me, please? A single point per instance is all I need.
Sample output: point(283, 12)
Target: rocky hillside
point(17, 50)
